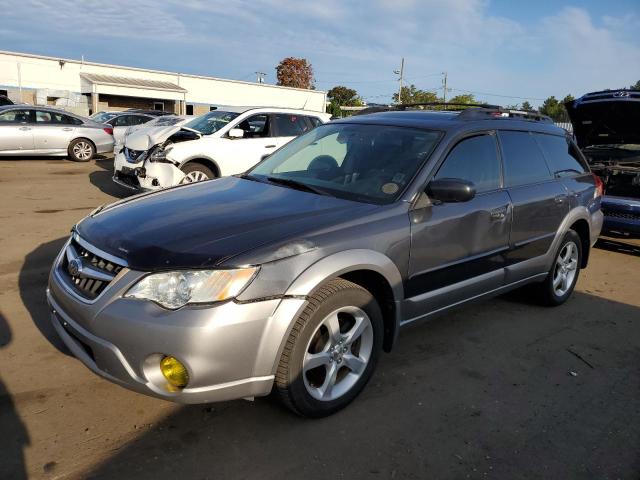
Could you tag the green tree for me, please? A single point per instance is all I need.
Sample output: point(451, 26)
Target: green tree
point(295, 72)
point(526, 106)
point(464, 98)
point(555, 109)
point(344, 96)
point(636, 86)
point(411, 94)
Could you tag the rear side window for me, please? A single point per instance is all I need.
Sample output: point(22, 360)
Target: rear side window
point(523, 160)
point(315, 121)
point(474, 159)
point(55, 118)
point(290, 125)
point(562, 156)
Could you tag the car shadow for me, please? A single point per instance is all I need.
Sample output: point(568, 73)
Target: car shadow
point(14, 437)
point(491, 388)
point(615, 245)
point(103, 180)
point(32, 282)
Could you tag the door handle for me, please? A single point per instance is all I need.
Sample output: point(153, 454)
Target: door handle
point(67, 129)
point(498, 213)
point(25, 128)
point(270, 146)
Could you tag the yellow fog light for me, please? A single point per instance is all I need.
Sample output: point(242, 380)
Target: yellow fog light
point(174, 371)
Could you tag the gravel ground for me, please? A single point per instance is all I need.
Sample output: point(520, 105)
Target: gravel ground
point(499, 389)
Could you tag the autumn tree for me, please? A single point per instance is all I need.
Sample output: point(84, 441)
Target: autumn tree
point(295, 72)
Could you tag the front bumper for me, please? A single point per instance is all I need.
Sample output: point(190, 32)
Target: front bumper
point(230, 349)
point(145, 176)
point(621, 215)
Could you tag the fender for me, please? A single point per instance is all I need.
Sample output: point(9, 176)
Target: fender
point(276, 333)
point(575, 214)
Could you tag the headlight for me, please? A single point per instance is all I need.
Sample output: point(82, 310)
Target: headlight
point(176, 289)
point(158, 154)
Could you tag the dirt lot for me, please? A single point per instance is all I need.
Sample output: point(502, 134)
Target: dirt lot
point(501, 389)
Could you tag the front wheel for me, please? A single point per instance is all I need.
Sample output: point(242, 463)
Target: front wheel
point(196, 172)
point(563, 276)
point(81, 150)
point(332, 350)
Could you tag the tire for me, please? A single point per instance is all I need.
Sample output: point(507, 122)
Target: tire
point(196, 172)
point(564, 273)
point(320, 373)
point(81, 150)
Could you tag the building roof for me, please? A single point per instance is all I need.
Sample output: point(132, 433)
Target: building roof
point(131, 82)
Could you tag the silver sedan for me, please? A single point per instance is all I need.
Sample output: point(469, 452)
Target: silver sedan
point(35, 130)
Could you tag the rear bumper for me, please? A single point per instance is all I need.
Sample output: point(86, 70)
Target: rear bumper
point(621, 215)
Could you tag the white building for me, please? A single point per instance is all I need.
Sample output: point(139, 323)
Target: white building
point(87, 87)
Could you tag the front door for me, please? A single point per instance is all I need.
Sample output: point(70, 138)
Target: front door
point(236, 155)
point(457, 249)
point(16, 130)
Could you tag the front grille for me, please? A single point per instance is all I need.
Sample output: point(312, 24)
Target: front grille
point(127, 177)
point(90, 274)
point(133, 156)
point(623, 215)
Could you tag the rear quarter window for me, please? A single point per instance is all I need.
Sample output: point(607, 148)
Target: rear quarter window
point(562, 155)
point(523, 160)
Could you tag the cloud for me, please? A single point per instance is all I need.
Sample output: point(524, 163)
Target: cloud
point(356, 43)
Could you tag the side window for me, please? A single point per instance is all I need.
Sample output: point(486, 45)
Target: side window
point(474, 159)
point(139, 119)
point(44, 117)
point(55, 118)
point(288, 125)
point(256, 126)
point(12, 117)
point(315, 121)
point(523, 160)
point(562, 155)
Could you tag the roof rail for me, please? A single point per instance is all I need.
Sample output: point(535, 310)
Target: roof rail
point(456, 106)
point(499, 112)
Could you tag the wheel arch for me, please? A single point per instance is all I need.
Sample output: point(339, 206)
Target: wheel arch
point(581, 227)
point(207, 162)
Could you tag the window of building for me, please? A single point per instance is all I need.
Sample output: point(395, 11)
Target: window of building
point(189, 109)
point(523, 160)
point(562, 155)
point(474, 159)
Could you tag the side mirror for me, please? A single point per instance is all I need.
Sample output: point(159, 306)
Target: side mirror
point(451, 190)
point(236, 133)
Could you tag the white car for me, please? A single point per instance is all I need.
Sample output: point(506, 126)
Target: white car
point(223, 142)
point(156, 123)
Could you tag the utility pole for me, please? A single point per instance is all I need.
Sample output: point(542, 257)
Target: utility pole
point(260, 77)
point(444, 89)
point(401, 73)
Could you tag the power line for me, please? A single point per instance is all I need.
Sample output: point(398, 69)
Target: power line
point(495, 94)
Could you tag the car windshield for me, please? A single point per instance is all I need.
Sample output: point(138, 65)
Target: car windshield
point(370, 163)
point(211, 122)
point(102, 117)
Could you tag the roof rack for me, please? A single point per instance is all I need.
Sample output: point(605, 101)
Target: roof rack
point(467, 111)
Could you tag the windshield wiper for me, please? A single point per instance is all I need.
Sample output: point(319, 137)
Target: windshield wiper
point(288, 182)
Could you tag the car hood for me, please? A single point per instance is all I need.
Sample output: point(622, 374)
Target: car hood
point(145, 138)
point(606, 118)
point(205, 224)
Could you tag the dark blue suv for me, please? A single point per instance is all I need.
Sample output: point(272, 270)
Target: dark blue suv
point(607, 128)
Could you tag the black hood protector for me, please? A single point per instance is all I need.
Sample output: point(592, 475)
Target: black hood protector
point(205, 224)
point(606, 118)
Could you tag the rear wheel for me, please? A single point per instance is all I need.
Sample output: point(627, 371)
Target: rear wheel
point(81, 150)
point(332, 350)
point(563, 276)
point(196, 172)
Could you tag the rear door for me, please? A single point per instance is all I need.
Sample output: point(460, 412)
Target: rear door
point(288, 126)
point(53, 131)
point(16, 130)
point(457, 248)
point(540, 203)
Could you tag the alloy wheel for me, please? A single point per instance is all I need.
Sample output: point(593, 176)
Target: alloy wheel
point(195, 176)
point(82, 150)
point(565, 269)
point(338, 353)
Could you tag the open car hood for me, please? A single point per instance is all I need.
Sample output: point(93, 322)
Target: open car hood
point(606, 118)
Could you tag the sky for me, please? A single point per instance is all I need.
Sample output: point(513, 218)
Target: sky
point(504, 51)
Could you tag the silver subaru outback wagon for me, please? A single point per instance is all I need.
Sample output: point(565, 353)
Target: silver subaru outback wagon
point(297, 274)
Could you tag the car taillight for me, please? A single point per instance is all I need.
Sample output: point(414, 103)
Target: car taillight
point(108, 130)
point(599, 187)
